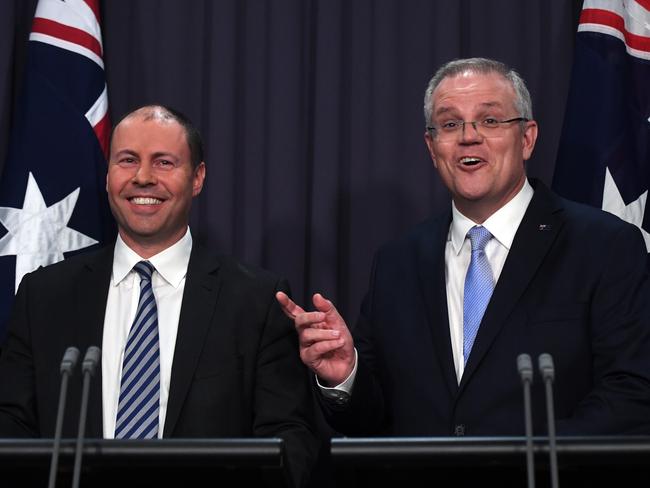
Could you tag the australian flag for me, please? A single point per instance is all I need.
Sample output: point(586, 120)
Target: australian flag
point(52, 190)
point(604, 153)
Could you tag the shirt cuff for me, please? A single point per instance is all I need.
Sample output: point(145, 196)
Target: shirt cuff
point(341, 393)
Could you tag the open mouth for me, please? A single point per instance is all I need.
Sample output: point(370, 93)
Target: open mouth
point(470, 161)
point(145, 200)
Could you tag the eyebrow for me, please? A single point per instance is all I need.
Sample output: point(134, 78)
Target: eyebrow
point(156, 155)
point(163, 154)
point(125, 152)
point(483, 105)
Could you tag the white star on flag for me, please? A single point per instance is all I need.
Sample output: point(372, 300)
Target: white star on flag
point(38, 235)
point(632, 213)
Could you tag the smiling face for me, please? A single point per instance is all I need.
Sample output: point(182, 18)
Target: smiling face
point(151, 182)
point(482, 174)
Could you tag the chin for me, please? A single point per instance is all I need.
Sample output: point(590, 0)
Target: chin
point(142, 233)
point(472, 193)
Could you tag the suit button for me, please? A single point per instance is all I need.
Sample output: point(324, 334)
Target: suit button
point(459, 430)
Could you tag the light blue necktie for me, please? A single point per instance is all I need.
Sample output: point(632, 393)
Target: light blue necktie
point(479, 284)
point(137, 411)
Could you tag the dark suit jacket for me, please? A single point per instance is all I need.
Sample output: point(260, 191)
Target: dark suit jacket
point(574, 285)
point(236, 370)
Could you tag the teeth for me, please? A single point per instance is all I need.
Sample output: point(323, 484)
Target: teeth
point(145, 201)
point(470, 160)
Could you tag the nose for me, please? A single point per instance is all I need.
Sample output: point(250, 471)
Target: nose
point(470, 134)
point(144, 175)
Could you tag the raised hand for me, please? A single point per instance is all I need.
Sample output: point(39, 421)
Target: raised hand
point(326, 345)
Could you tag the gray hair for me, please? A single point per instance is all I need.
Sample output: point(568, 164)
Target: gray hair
point(523, 102)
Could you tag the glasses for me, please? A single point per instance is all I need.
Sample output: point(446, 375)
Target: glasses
point(488, 127)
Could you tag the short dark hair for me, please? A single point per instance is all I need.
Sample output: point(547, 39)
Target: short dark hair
point(159, 111)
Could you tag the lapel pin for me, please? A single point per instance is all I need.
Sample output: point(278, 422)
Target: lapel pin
point(545, 227)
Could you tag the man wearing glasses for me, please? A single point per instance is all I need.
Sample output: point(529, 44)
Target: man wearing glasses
point(509, 268)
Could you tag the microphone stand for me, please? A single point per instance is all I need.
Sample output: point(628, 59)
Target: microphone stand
point(547, 370)
point(525, 368)
point(88, 369)
point(69, 361)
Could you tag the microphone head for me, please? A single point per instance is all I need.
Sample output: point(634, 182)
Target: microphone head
point(525, 367)
point(69, 361)
point(90, 360)
point(546, 367)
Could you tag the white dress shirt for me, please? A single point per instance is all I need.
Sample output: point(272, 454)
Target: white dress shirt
point(168, 282)
point(503, 225)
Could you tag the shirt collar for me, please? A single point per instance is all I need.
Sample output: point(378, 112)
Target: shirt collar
point(502, 224)
point(170, 263)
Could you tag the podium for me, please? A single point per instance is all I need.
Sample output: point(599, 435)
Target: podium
point(484, 461)
point(597, 462)
point(153, 463)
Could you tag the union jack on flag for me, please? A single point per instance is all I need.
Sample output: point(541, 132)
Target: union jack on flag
point(52, 191)
point(604, 153)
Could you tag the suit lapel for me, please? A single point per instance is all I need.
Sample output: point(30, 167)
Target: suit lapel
point(90, 301)
point(431, 272)
point(537, 231)
point(199, 300)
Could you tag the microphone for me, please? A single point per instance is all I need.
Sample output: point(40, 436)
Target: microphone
point(91, 359)
point(69, 361)
point(525, 368)
point(547, 370)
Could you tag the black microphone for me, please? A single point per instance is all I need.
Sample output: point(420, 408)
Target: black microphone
point(525, 368)
point(91, 359)
point(547, 371)
point(69, 361)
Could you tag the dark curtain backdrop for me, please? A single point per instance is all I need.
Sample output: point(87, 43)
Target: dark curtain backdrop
point(311, 111)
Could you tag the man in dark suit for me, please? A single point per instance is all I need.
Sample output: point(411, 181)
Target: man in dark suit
point(511, 268)
point(220, 355)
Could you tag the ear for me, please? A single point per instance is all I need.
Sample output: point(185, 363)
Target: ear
point(529, 137)
point(198, 178)
point(428, 140)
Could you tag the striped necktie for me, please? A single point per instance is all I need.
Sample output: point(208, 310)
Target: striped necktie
point(137, 410)
point(479, 284)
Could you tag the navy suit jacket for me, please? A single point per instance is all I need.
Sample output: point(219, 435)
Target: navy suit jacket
point(236, 370)
point(573, 285)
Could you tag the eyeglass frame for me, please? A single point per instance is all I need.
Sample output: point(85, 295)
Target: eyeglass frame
point(476, 124)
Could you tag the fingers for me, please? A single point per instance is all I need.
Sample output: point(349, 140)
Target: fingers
point(322, 352)
point(310, 336)
point(323, 304)
point(310, 319)
point(325, 343)
point(325, 317)
point(332, 316)
point(292, 309)
point(289, 307)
